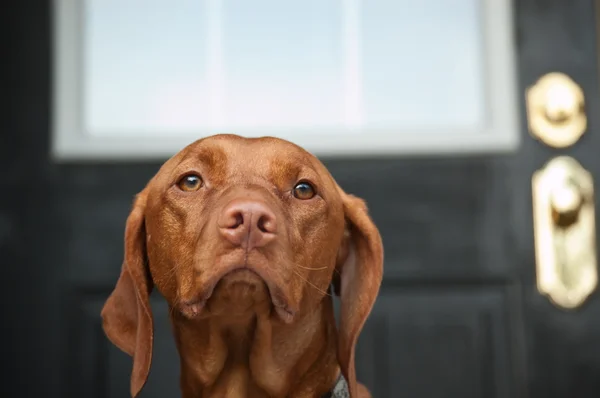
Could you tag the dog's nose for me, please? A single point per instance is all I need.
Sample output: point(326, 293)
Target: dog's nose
point(248, 223)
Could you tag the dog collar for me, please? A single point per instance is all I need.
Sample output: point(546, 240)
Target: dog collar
point(340, 389)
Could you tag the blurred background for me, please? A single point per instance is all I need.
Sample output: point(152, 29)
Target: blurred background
point(439, 113)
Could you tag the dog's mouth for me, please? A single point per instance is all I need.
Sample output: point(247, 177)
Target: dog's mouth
point(243, 275)
point(240, 283)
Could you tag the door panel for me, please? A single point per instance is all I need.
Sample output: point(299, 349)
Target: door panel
point(96, 368)
point(442, 341)
point(442, 217)
point(459, 312)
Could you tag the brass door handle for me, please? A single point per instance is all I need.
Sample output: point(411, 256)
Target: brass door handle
point(564, 231)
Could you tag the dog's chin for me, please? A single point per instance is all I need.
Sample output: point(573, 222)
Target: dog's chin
point(239, 293)
point(239, 289)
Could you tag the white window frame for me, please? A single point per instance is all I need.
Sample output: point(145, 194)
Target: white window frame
point(500, 134)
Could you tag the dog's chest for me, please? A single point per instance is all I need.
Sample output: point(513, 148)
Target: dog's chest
point(235, 383)
point(238, 382)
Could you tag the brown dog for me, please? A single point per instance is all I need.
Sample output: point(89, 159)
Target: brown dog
point(244, 237)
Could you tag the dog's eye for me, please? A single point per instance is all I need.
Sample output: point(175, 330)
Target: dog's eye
point(190, 182)
point(304, 191)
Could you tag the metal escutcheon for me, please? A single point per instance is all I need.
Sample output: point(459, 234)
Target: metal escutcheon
point(564, 231)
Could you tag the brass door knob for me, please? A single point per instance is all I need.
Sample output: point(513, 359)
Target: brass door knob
point(566, 200)
point(556, 110)
point(562, 103)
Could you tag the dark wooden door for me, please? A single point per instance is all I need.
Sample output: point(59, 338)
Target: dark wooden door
point(459, 313)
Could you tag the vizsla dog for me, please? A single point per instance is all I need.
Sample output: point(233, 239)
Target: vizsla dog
point(248, 239)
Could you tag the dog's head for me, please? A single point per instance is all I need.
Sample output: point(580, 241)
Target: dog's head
point(232, 225)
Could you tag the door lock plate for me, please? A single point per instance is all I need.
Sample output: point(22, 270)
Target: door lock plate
point(564, 231)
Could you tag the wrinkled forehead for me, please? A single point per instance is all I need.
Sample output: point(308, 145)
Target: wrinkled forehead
point(229, 158)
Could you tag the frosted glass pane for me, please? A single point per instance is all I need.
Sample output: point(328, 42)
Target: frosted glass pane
point(423, 63)
point(144, 64)
point(283, 63)
point(197, 66)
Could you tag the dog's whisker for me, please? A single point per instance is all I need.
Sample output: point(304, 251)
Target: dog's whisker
point(172, 310)
point(295, 264)
point(310, 268)
point(171, 273)
point(310, 283)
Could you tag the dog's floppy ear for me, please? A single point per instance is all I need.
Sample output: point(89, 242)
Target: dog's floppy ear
point(126, 316)
point(360, 268)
